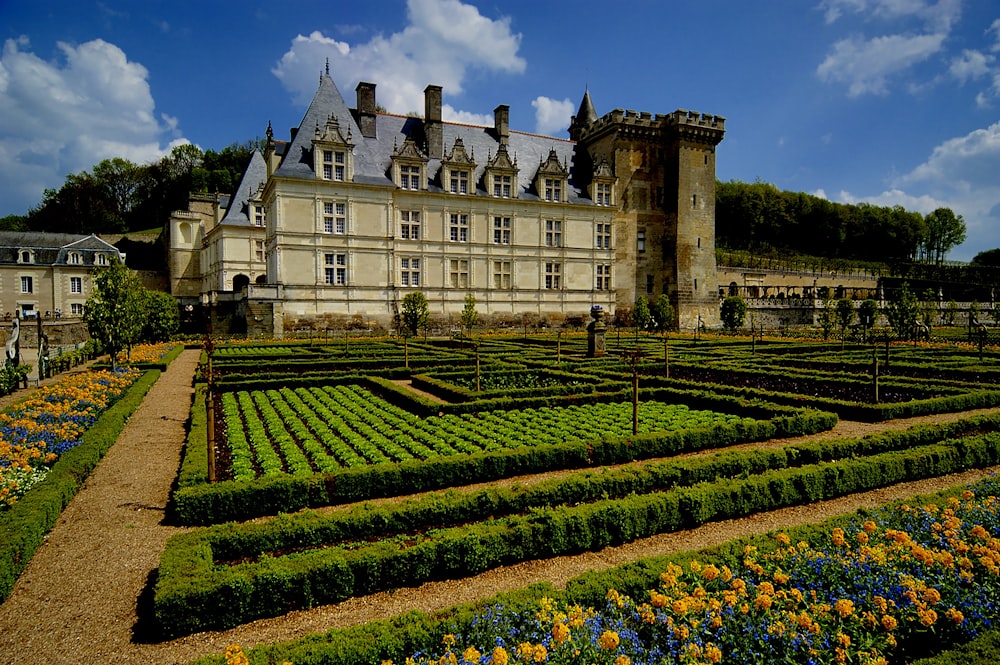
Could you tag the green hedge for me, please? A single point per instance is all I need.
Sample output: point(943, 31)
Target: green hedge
point(192, 593)
point(24, 525)
point(201, 504)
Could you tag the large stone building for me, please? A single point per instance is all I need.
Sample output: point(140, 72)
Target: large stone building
point(360, 207)
point(49, 274)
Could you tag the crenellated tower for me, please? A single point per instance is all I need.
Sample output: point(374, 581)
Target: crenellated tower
point(665, 200)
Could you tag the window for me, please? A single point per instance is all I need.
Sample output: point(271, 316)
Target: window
point(102, 260)
point(552, 271)
point(459, 182)
point(603, 282)
point(76, 309)
point(27, 285)
point(603, 194)
point(459, 229)
point(459, 273)
point(409, 177)
point(75, 259)
point(694, 200)
point(501, 274)
point(501, 186)
point(409, 274)
point(76, 285)
point(501, 230)
point(333, 165)
point(649, 283)
point(410, 228)
point(334, 217)
point(258, 250)
point(640, 241)
point(553, 233)
point(25, 256)
point(603, 236)
point(335, 269)
point(258, 215)
point(553, 189)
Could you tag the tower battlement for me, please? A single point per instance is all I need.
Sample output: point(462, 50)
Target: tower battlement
point(693, 125)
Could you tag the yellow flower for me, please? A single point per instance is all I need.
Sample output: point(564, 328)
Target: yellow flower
point(560, 633)
point(783, 539)
point(954, 615)
point(889, 622)
point(471, 655)
point(623, 660)
point(448, 640)
point(838, 537)
point(844, 607)
point(540, 653)
point(608, 640)
point(499, 656)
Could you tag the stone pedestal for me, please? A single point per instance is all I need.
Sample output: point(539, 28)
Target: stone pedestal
point(595, 333)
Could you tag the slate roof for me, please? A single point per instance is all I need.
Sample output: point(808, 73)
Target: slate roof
point(373, 156)
point(51, 248)
point(255, 175)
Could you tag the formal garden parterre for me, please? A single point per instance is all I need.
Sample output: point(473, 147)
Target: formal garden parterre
point(496, 408)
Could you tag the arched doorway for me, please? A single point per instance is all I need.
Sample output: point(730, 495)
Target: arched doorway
point(240, 282)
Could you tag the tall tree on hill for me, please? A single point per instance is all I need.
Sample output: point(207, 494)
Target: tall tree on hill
point(115, 310)
point(945, 230)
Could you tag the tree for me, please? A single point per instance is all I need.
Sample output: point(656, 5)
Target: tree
point(902, 311)
point(469, 314)
point(115, 310)
point(641, 315)
point(989, 257)
point(928, 308)
point(845, 314)
point(663, 313)
point(945, 230)
point(415, 313)
point(828, 317)
point(162, 317)
point(734, 310)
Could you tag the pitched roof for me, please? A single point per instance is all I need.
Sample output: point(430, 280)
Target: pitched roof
point(51, 248)
point(373, 156)
point(255, 175)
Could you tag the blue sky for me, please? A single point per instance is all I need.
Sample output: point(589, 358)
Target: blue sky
point(886, 101)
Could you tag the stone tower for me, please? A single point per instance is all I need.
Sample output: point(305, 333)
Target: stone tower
point(665, 197)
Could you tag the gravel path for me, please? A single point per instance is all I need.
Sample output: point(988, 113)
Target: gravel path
point(84, 597)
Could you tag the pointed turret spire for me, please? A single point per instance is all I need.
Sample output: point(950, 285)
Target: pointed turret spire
point(584, 118)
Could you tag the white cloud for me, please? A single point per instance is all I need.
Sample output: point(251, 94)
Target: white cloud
point(995, 29)
point(62, 118)
point(451, 114)
point(865, 66)
point(971, 65)
point(959, 174)
point(552, 115)
point(444, 40)
point(937, 14)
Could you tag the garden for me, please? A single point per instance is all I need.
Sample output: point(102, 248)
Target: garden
point(609, 466)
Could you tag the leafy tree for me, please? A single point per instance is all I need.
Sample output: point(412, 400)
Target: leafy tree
point(951, 313)
point(663, 313)
point(928, 308)
point(469, 314)
point(945, 230)
point(733, 312)
point(415, 313)
point(14, 223)
point(828, 317)
point(902, 311)
point(868, 312)
point(996, 313)
point(642, 317)
point(115, 310)
point(845, 314)
point(990, 257)
point(162, 318)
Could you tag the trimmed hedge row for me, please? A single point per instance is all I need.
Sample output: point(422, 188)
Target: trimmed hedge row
point(201, 504)
point(24, 525)
point(194, 594)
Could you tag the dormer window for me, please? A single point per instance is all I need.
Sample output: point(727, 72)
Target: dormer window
point(602, 187)
point(258, 215)
point(552, 178)
point(501, 174)
point(332, 152)
point(75, 258)
point(102, 259)
point(457, 169)
point(409, 166)
point(26, 256)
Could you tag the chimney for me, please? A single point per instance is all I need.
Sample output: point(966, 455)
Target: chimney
point(501, 120)
point(433, 130)
point(366, 109)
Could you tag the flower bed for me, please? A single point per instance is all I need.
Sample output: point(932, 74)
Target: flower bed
point(50, 421)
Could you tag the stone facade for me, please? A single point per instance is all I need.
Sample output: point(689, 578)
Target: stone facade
point(362, 207)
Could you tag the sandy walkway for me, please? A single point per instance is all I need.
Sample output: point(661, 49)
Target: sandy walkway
point(84, 597)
